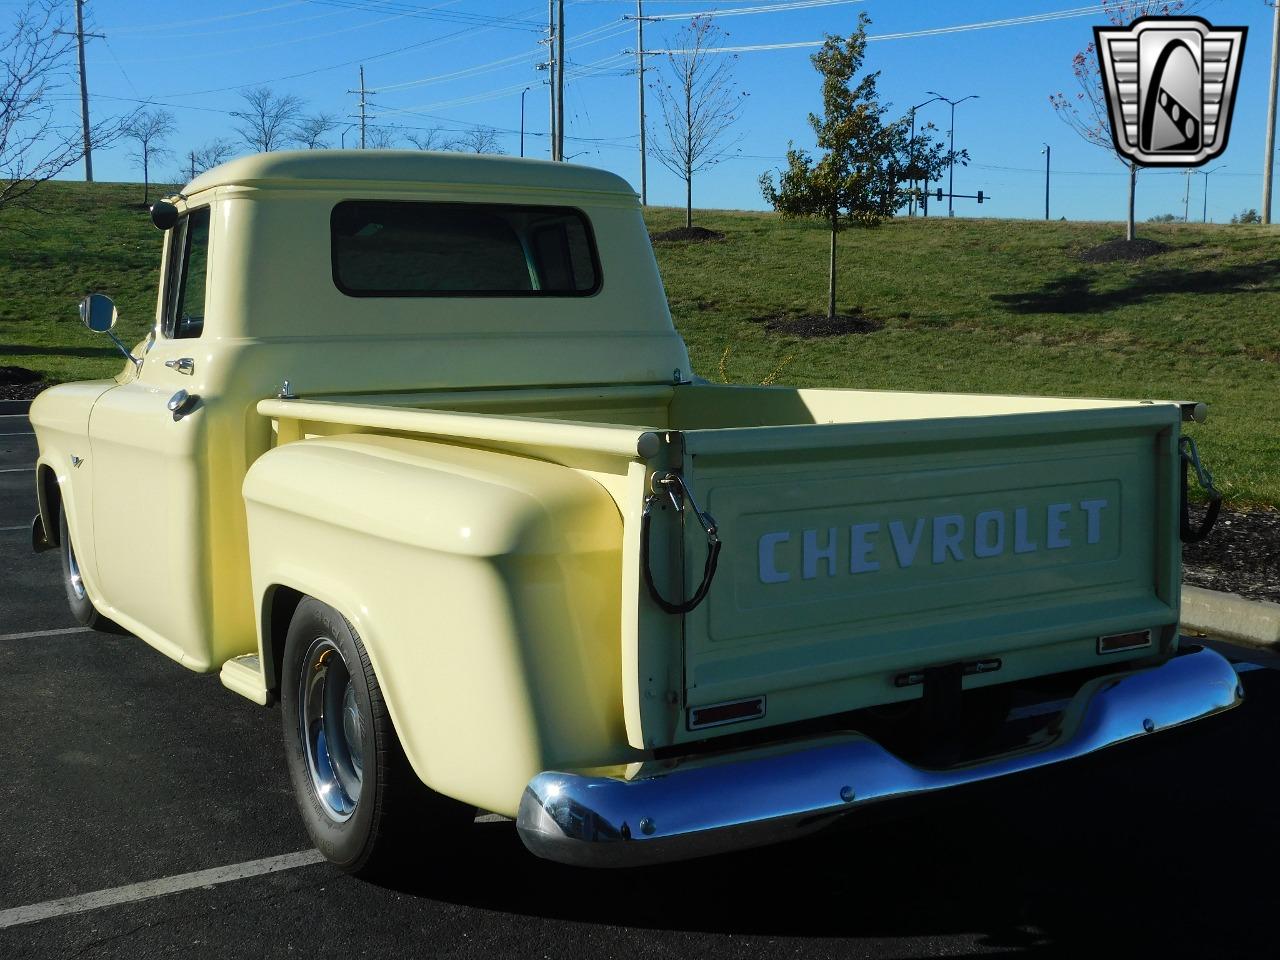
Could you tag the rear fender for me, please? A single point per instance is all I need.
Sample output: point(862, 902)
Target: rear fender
point(485, 587)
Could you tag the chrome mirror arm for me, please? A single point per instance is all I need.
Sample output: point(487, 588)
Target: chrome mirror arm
point(137, 361)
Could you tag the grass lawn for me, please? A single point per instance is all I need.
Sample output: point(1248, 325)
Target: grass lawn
point(966, 305)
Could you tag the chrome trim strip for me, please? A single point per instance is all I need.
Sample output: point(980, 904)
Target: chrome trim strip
point(732, 804)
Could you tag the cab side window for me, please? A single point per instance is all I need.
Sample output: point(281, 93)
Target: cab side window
point(188, 276)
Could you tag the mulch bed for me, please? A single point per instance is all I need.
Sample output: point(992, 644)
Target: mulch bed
point(1241, 555)
point(813, 326)
point(1121, 249)
point(687, 235)
point(19, 383)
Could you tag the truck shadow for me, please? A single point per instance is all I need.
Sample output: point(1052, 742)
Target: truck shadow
point(1137, 847)
point(1076, 293)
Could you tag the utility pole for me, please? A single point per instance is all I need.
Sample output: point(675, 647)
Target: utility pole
point(560, 81)
point(640, 19)
point(84, 87)
point(1048, 152)
point(1186, 195)
point(364, 94)
point(1268, 164)
point(192, 156)
point(551, 77)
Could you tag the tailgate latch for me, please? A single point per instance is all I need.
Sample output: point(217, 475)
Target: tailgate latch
point(672, 486)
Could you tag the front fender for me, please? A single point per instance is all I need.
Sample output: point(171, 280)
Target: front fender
point(485, 586)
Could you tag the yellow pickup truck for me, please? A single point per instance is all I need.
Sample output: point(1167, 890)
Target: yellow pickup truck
point(414, 451)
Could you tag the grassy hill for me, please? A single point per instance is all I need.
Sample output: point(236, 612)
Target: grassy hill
point(967, 305)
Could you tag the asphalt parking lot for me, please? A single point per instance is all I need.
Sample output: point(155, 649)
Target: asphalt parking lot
point(122, 768)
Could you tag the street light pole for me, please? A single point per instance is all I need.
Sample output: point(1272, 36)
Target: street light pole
point(522, 93)
point(911, 207)
point(1204, 213)
point(1048, 152)
point(951, 173)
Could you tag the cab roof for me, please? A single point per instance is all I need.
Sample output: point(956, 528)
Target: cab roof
point(401, 167)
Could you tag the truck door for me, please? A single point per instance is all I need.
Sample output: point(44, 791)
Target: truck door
point(150, 469)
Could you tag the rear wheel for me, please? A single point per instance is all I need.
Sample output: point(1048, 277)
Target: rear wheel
point(364, 807)
point(82, 607)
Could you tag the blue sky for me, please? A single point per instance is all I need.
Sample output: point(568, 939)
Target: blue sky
point(456, 64)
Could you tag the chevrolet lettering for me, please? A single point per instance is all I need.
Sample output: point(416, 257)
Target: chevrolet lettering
point(860, 547)
point(414, 454)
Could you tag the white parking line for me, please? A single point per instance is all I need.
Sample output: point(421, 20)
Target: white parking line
point(1247, 667)
point(150, 889)
point(24, 433)
point(18, 469)
point(21, 526)
point(32, 634)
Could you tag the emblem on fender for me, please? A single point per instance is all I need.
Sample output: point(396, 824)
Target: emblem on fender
point(1171, 87)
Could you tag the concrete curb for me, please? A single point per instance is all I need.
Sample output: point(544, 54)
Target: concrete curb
point(1226, 616)
point(14, 407)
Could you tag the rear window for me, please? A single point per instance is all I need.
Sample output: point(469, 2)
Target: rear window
point(408, 249)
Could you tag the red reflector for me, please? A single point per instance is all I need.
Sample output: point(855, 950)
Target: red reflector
point(1124, 641)
point(735, 711)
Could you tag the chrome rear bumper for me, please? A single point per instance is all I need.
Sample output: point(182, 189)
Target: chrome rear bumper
point(731, 804)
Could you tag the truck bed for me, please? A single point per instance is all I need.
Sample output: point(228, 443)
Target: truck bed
point(868, 535)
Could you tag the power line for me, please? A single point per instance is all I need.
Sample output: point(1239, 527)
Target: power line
point(909, 34)
point(759, 8)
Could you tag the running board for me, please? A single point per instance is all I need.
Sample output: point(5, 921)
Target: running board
point(244, 675)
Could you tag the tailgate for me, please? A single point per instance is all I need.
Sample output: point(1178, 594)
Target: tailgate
point(854, 553)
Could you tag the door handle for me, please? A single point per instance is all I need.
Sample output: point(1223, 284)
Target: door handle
point(183, 365)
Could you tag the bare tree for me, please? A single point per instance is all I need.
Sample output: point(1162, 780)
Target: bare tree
point(267, 119)
point(35, 146)
point(700, 101)
point(149, 129)
point(311, 129)
point(381, 138)
point(204, 158)
point(431, 139)
point(478, 140)
point(1086, 111)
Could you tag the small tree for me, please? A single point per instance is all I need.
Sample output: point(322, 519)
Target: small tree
point(205, 158)
point(1086, 112)
point(268, 120)
point(35, 64)
point(312, 128)
point(478, 140)
point(1247, 216)
point(860, 177)
point(381, 138)
point(700, 101)
point(433, 138)
point(149, 129)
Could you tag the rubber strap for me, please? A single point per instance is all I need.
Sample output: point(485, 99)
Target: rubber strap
point(1196, 534)
point(708, 570)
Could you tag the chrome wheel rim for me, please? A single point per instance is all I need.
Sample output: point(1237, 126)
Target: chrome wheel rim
point(331, 729)
point(73, 571)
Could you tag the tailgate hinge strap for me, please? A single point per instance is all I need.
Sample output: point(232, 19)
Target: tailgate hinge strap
point(672, 487)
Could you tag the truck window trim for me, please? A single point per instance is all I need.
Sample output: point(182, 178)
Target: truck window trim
point(176, 274)
point(576, 212)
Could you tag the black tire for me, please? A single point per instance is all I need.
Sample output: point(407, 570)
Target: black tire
point(392, 814)
point(82, 607)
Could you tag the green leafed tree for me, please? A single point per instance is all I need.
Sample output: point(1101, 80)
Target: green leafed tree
point(862, 174)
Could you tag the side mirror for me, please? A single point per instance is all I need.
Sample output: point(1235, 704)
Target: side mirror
point(98, 313)
point(164, 214)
